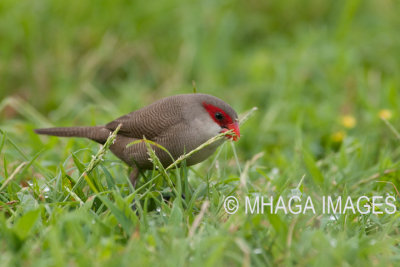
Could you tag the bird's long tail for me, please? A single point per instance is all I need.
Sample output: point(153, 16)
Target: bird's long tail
point(95, 133)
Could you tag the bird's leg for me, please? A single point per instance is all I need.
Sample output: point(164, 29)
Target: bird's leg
point(134, 175)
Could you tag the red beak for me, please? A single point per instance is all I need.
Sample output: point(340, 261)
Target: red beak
point(235, 127)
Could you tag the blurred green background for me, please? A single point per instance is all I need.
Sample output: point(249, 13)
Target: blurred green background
point(312, 59)
point(323, 74)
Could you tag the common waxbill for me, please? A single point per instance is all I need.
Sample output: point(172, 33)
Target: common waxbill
point(179, 123)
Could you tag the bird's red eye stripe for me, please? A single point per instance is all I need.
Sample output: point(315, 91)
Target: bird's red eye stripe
point(212, 110)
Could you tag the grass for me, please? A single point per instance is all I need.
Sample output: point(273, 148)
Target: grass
point(323, 75)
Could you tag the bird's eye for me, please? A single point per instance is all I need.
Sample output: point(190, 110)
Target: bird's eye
point(219, 116)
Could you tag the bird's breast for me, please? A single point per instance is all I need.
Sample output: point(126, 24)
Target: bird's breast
point(184, 138)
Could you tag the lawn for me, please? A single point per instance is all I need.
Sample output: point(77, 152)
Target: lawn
point(323, 75)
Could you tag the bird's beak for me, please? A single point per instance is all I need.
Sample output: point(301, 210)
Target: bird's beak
point(236, 133)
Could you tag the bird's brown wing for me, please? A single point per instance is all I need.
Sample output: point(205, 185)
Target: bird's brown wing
point(151, 120)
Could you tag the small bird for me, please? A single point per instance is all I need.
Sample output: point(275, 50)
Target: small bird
point(179, 123)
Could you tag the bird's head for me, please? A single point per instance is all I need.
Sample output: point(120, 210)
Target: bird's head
point(224, 116)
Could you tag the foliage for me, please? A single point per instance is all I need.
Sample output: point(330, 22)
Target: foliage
point(323, 74)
